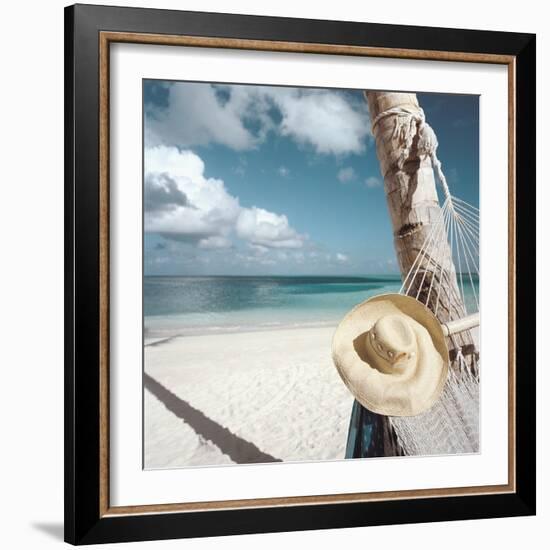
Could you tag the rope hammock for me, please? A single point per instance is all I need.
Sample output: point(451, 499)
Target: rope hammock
point(457, 230)
point(458, 227)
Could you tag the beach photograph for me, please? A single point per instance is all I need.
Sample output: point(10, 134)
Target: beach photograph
point(288, 233)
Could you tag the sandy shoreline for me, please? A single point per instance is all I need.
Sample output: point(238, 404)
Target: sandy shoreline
point(154, 335)
point(244, 397)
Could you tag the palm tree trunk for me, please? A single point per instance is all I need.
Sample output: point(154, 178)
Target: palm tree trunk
point(413, 204)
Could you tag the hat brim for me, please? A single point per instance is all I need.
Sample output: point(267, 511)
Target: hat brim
point(384, 393)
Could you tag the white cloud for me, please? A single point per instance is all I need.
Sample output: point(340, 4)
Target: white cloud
point(213, 212)
point(199, 114)
point(264, 257)
point(266, 229)
point(161, 193)
point(196, 116)
point(210, 214)
point(283, 171)
point(342, 258)
point(346, 174)
point(373, 182)
point(323, 119)
point(214, 242)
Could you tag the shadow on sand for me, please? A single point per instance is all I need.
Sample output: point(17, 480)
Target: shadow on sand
point(238, 449)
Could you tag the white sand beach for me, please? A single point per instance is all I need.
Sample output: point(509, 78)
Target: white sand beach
point(244, 397)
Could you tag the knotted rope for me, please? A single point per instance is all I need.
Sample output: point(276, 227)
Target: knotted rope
point(408, 125)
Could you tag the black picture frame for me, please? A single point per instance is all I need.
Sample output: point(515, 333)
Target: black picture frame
point(85, 523)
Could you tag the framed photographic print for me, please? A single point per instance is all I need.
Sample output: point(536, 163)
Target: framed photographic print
point(299, 274)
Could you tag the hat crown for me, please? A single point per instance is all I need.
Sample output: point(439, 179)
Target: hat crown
point(393, 340)
point(394, 331)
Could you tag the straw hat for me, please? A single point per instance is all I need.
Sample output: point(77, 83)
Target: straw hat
point(391, 353)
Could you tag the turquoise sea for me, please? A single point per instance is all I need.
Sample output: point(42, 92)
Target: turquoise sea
point(198, 305)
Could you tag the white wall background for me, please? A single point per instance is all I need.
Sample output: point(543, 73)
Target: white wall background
point(31, 288)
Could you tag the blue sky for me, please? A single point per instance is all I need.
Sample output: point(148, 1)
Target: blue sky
point(251, 180)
